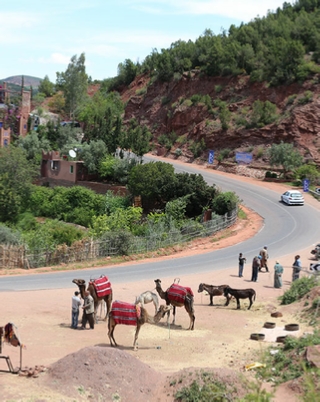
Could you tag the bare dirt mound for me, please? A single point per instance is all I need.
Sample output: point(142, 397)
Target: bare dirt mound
point(103, 373)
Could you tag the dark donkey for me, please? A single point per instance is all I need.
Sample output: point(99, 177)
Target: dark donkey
point(214, 291)
point(241, 294)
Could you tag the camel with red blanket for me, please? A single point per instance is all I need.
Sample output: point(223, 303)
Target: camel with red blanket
point(177, 296)
point(131, 314)
point(100, 290)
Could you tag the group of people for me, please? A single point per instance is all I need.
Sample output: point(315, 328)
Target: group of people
point(261, 261)
point(88, 311)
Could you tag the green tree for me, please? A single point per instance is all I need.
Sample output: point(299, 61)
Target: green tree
point(127, 72)
point(33, 146)
point(73, 82)
point(16, 176)
point(308, 172)
point(153, 181)
point(199, 194)
point(225, 203)
point(46, 87)
point(137, 138)
point(285, 155)
point(58, 102)
point(93, 154)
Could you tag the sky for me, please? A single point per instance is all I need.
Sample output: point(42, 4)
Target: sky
point(39, 37)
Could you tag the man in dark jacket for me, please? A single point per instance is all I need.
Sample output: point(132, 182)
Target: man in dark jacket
point(256, 264)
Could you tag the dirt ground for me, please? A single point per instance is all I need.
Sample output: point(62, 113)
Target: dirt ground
point(81, 365)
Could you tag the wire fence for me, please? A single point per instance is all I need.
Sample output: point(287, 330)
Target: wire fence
point(19, 257)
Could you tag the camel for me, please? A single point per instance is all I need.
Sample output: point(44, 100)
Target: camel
point(148, 297)
point(81, 283)
point(186, 301)
point(138, 321)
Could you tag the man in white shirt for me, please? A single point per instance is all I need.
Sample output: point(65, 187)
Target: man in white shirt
point(76, 302)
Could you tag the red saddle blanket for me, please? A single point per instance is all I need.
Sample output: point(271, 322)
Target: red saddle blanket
point(102, 286)
point(178, 293)
point(125, 313)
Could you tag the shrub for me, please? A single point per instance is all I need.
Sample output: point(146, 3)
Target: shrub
point(297, 290)
point(178, 152)
point(306, 98)
point(196, 98)
point(141, 91)
point(291, 99)
point(197, 148)
point(165, 100)
point(260, 152)
point(206, 388)
point(165, 141)
point(8, 236)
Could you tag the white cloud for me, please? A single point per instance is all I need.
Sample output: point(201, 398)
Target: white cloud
point(242, 10)
point(56, 58)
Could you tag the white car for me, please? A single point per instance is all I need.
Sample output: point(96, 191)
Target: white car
point(292, 197)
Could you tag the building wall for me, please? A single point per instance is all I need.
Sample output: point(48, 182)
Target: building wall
point(4, 137)
point(59, 169)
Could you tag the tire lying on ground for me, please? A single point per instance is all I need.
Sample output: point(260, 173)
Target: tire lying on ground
point(257, 337)
point(291, 327)
point(269, 325)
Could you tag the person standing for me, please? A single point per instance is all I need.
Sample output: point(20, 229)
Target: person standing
point(278, 271)
point(255, 268)
point(76, 303)
point(242, 261)
point(264, 259)
point(296, 268)
point(88, 311)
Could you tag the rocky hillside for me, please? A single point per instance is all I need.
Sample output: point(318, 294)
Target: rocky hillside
point(168, 107)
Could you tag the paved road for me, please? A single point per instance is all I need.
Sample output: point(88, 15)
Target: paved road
point(286, 230)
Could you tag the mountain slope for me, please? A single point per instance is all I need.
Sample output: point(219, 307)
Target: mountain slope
point(183, 107)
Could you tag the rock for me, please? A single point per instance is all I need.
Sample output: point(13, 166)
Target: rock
point(277, 314)
point(312, 355)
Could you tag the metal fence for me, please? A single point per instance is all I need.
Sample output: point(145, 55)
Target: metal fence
point(85, 250)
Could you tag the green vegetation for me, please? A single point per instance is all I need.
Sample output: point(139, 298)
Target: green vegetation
point(223, 154)
point(289, 363)
point(285, 155)
point(298, 289)
point(197, 147)
point(306, 98)
point(205, 388)
point(271, 48)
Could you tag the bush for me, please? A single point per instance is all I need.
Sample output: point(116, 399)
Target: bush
point(117, 241)
point(306, 98)
point(291, 99)
point(298, 289)
point(8, 236)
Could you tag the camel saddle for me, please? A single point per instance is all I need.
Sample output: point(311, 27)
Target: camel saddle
point(102, 286)
point(125, 313)
point(178, 293)
point(10, 335)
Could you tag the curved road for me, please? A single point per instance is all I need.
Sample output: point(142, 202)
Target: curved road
point(286, 230)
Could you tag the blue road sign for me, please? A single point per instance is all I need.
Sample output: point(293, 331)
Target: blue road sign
point(211, 157)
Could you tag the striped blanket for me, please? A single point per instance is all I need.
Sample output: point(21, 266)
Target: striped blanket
point(125, 313)
point(178, 293)
point(102, 286)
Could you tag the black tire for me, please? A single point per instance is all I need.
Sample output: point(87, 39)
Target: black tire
point(291, 327)
point(257, 337)
point(269, 325)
